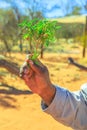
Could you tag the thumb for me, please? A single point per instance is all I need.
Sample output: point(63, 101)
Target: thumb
point(36, 67)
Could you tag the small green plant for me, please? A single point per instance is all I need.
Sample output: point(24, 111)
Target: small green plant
point(39, 32)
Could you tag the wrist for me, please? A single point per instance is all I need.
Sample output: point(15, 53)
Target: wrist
point(48, 94)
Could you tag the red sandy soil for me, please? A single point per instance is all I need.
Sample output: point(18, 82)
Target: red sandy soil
point(22, 111)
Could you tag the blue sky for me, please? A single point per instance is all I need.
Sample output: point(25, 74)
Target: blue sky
point(3, 4)
point(50, 8)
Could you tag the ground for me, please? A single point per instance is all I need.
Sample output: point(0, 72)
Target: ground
point(20, 108)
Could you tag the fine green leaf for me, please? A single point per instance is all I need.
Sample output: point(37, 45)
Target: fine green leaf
point(39, 31)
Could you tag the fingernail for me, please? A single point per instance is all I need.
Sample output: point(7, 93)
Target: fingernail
point(25, 70)
point(31, 62)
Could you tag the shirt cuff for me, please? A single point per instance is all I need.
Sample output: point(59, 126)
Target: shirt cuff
point(57, 103)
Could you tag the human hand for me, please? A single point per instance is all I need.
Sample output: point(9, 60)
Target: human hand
point(37, 79)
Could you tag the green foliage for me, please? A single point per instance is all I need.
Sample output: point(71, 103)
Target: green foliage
point(70, 30)
point(83, 40)
point(37, 32)
point(40, 32)
point(8, 29)
point(76, 11)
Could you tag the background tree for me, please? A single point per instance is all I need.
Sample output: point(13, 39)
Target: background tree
point(85, 33)
point(77, 11)
point(8, 29)
point(11, 29)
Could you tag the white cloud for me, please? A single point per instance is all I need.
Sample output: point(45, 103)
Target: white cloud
point(55, 13)
point(3, 4)
point(50, 4)
point(51, 8)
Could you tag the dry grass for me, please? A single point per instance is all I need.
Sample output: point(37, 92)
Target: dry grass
point(72, 19)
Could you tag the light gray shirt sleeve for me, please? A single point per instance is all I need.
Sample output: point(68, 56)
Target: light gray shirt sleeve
point(69, 108)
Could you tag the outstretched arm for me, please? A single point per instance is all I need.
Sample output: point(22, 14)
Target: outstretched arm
point(67, 107)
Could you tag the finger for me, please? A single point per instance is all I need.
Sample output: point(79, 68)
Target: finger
point(36, 67)
point(37, 61)
point(28, 73)
point(26, 78)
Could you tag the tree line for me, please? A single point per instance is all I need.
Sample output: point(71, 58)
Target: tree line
point(11, 34)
